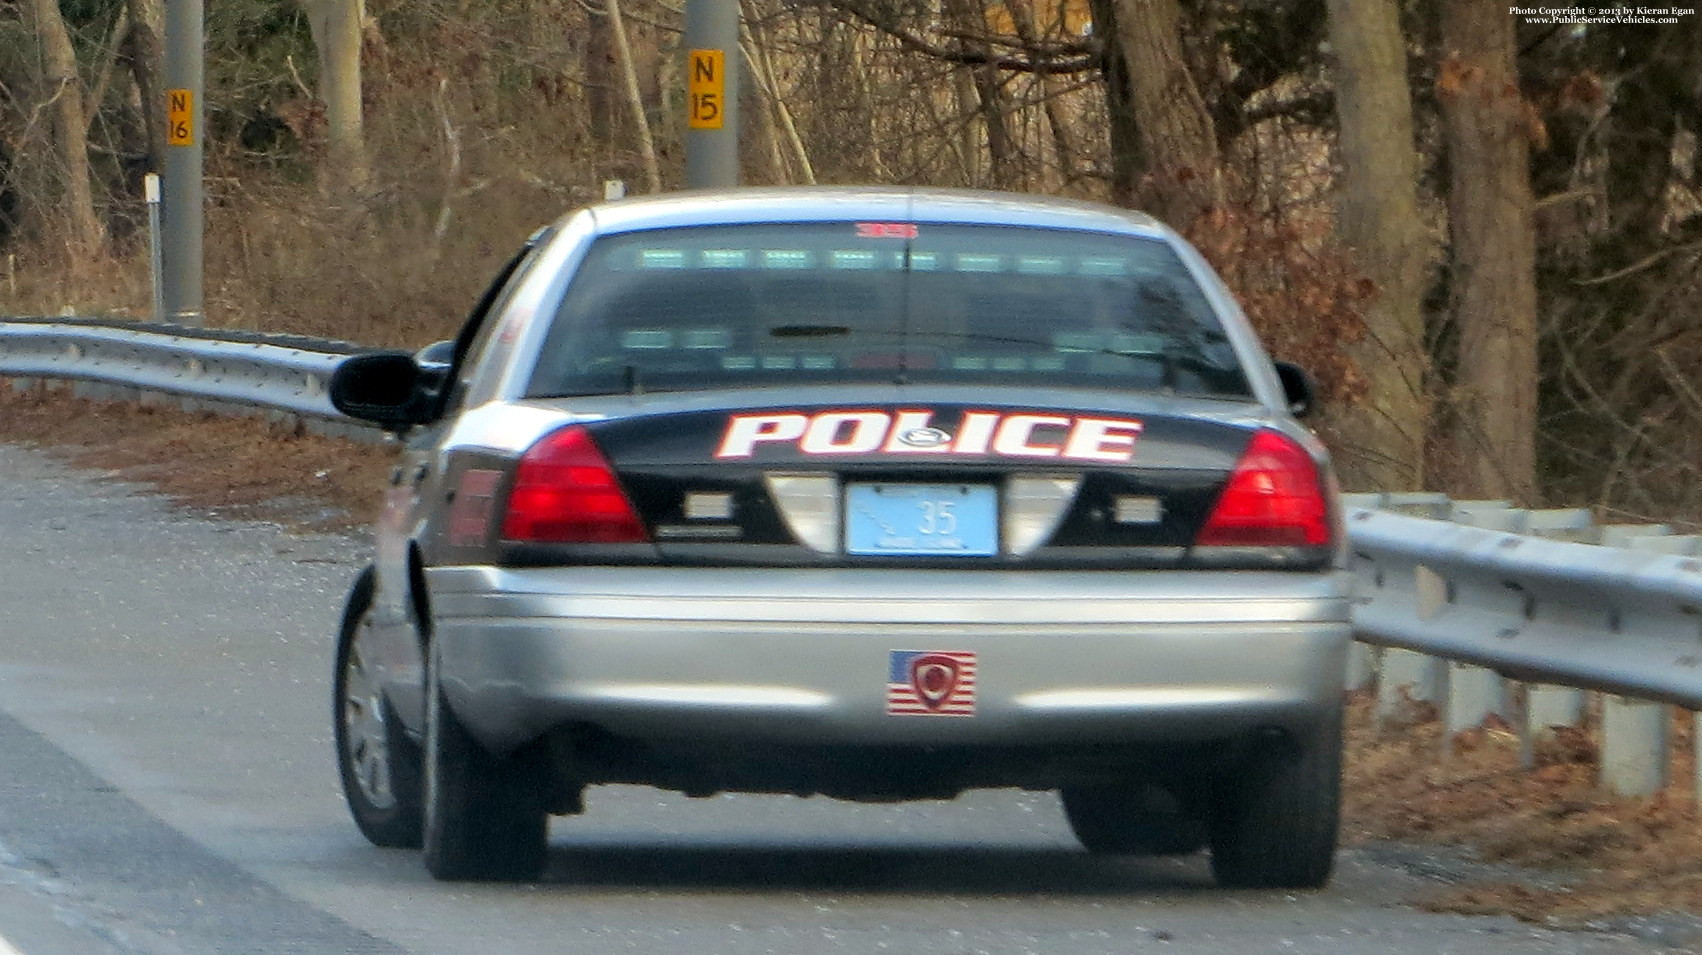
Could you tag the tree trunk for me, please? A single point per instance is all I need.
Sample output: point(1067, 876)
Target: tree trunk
point(336, 27)
point(62, 98)
point(1493, 253)
point(95, 96)
point(1063, 142)
point(1377, 219)
point(634, 98)
point(1001, 151)
point(1122, 133)
point(1183, 170)
point(146, 56)
point(986, 92)
point(600, 100)
point(784, 131)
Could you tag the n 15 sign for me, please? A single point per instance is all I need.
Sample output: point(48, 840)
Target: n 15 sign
point(706, 89)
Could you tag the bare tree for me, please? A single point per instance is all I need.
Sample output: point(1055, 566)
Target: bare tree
point(337, 27)
point(62, 97)
point(983, 84)
point(1051, 91)
point(1378, 220)
point(634, 97)
point(1126, 158)
point(1486, 125)
point(145, 55)
point(777, 116)
point(1176, 130)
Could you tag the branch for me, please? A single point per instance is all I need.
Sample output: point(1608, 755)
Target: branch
point(452, 174)
point(109, 59)
point(1640, 265)
point(1314, 109)
point(295, 75)
point(1678, 379)
point(1042, 58)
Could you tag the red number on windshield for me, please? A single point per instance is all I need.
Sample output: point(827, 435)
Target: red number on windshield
point(886, 230)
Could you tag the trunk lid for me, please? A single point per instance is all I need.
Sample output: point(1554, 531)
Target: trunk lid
point(926, 482)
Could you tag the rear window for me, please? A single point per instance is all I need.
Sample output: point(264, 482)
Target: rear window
point(744, 305)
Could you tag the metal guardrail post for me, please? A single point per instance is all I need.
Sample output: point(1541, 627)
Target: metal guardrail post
point(1364, 660)
point(1410, 677)
point(1473, 695)
point(1634, 746)
point(1550, 707)
point(1407, 678)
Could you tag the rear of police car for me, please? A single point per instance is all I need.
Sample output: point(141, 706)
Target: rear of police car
point(885, 495)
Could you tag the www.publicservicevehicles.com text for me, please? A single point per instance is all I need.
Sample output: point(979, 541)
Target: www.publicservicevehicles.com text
point(1612, 15)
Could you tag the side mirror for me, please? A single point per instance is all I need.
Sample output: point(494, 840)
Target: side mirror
point(384, 388)
point(1297, 389)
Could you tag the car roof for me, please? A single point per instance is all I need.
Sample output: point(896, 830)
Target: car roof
point(871, 203)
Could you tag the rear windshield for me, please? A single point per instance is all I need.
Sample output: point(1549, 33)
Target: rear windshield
point(836, 302)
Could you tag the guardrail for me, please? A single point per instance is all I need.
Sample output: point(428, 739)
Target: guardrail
point(1482, 609)
point(198, 369)
point(1473, 606)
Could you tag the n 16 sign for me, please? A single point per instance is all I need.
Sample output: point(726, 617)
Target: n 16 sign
point(180, 117)
point(706, 89)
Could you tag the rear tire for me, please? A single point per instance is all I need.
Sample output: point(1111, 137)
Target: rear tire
point(484, 814)
point(1275, 821)
point(1132, 819)
point(379, 764)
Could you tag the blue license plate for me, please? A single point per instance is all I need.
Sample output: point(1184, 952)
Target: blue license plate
point(937, 520)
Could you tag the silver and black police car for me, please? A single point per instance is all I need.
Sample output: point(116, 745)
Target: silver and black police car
point(880, 494)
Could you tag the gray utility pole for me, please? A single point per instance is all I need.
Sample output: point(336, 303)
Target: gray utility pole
point(182, 208)
point(712, 93)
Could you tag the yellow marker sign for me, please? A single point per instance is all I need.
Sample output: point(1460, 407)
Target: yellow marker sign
point(706, 88)
point(180, 118)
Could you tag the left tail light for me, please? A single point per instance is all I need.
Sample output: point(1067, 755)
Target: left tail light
point(565, 492)
point(1275, 497)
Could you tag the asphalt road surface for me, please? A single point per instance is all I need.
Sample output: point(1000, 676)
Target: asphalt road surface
point(167, 786)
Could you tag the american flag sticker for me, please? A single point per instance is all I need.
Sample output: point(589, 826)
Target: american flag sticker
point(930, 683)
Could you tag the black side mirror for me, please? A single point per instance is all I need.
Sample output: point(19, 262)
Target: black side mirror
point(384, 388)
point(1297, 389)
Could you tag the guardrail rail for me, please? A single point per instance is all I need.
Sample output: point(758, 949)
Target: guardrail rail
point(1475, 607)
point(198, 369)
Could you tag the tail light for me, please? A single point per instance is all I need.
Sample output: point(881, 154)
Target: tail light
point(566, 493)
point(1274, 498)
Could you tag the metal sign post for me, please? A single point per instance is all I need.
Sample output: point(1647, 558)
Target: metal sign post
point(712, 93)
point(181, 210)
point(151, 192)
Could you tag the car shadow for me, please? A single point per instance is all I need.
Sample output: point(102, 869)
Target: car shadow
point(911, 870)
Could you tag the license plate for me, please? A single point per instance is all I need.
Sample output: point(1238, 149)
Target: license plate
point(937, 520)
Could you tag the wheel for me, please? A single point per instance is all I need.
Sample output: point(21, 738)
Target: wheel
point(485, 817)
point(379, 764)
point(1132, 819)
point(1275, 822)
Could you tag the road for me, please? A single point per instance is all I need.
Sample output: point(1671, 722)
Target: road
point(167, 788)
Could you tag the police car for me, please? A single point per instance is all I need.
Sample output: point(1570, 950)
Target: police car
point(878, 494)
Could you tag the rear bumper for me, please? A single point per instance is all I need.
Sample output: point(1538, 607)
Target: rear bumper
point(800, 657)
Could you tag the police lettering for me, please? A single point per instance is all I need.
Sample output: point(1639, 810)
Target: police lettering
point(861, 431)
